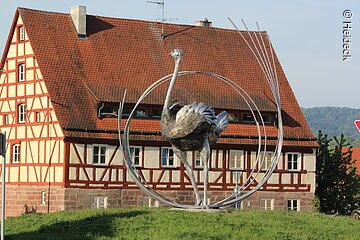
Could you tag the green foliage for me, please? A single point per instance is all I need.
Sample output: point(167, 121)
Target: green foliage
point(334, 121)
point(316, 203)
point(171, 224)
point(338, 185)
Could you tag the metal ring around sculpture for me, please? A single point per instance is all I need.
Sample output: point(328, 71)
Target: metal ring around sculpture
point(238, 195)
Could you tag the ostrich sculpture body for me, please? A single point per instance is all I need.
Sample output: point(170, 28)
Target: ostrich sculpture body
point(194, 127)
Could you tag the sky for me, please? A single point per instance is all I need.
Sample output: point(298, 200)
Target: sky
point(307, 35)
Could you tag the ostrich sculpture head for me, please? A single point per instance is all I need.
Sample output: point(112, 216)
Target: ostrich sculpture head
point(176, 54)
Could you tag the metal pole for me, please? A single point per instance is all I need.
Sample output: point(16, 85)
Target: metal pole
point(236, 189)
point(3, 153)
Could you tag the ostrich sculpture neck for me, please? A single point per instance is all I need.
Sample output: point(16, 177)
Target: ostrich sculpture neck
point(177, 55)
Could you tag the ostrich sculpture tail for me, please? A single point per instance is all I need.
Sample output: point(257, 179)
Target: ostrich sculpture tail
point(222, 122)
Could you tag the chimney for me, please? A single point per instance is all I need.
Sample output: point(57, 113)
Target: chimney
point(78, 16)
point(204, 23)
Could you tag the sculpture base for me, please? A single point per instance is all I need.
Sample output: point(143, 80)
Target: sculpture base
point(207, 210)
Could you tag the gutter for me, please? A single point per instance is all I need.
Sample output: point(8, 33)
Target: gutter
point(158, 133)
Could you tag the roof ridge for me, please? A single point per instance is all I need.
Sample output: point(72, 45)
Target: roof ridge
point(38, 10)
point(135, 20)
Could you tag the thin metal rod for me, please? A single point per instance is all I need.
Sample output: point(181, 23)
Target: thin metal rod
point(163, 18)
point(3, 178)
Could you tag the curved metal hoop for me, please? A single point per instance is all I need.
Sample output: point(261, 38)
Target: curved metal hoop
point(240, 193)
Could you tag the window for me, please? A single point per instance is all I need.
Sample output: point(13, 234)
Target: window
point(267, 204)
point(267, 160)
point(97, 202)
point(236, 159)
point(247, 118)
point(5, 119)
point(21, 72)
point(149, 202)
point(267, 118)
point(21, 32)
point(167, 157)
point(135, 155)
point(293, 205)
point(198, 161)
point(156, 112)
point(127, 110)
point(292, 161)
point(16, 153)
point(233, 117)
point(37, 117)
point(99, 154)
point(21, 113)
point(43, 197)
point(141, 112)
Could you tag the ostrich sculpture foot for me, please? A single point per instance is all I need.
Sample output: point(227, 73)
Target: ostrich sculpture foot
point(198, 202)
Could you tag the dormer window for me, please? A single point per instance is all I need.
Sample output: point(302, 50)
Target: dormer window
point(247, 118)
point(233, 117)
point(21, 32)
point(21, 72)
point(156, 112)
point(141, 112)
point(268, 118)
point(108, 110)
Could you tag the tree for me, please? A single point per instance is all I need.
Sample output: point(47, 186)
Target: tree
point(338, 185)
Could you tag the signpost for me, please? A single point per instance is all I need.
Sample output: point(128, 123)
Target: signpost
point(357, 124)
point(3, 154)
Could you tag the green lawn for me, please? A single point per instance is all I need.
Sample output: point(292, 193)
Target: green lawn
point(144, 223)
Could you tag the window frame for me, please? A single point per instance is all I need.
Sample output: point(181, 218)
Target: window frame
point(234, 116)
point(140, 156)
point(37, 117)
point(268, 118)
point(291, 207)
point(100, 146)
point(21, 72)
point(98, 199)
point(5, 119)
point(198, 163)
point(267, 162)
point(168, 157)
point(21, 113)
point(235, 167)
point(21, 33)
point(43, 198)
point(244, 114)
point(292, 161)
point(267, 201)
point(16, 153)
point(153, 111)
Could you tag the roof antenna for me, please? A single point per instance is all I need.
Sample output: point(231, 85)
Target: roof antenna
point(161, 4)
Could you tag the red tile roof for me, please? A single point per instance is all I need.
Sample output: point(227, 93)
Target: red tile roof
point(127, 54)
point(356, 157)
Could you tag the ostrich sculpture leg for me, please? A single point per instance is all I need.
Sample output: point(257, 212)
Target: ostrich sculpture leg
point(182, 156)
point(204, 154)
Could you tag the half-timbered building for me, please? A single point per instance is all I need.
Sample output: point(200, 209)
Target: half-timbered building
point(62, 76)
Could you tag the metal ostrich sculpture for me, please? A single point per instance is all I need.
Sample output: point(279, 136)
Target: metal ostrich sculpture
point(194, 127)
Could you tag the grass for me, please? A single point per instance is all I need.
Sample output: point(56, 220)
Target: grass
point(144, 223)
